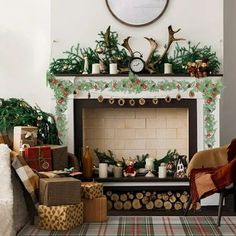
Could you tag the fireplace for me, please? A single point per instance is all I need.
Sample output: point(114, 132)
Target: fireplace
point(134, 130)
point(73, 95)
point(197, 100)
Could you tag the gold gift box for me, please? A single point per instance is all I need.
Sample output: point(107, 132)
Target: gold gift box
point(91, 190)
point(62, 217)
point(95, 210)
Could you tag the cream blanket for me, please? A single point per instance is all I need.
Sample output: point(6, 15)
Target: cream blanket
point(6, 193)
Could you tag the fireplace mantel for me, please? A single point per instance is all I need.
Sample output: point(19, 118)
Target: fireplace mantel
point(205, 90)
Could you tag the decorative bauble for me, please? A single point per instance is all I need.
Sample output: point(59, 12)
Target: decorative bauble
point(168, 99)
point(50, 120)
point(39, 118)
point(76, 92)
point(99, 50)
point(111, 100)
point(132, 102)
point(191, 93)
point(178, 97)
point(155, 101)
point(141, 101)
point(121, 102)
point(65, 67)
point(100, 98)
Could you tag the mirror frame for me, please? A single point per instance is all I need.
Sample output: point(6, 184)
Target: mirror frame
point(138, 25)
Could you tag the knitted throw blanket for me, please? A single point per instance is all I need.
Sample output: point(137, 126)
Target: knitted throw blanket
point(206, 181)
point(29, 179)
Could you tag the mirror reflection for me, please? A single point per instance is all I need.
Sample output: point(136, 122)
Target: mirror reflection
point(137, 12)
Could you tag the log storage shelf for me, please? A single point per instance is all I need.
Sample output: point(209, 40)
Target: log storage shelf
point(145, 195)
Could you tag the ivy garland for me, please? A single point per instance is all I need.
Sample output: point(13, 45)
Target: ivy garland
point(133, 84)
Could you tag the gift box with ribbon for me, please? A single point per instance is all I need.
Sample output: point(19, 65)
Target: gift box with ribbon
point(39, 158)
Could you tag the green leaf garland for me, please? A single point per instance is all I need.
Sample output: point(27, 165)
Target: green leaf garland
point(133, 84)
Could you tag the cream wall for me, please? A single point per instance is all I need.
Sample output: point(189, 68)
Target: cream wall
point(228, 108)
point(25, 50)
point(29, 27)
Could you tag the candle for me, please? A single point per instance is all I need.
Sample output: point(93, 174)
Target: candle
point(113, 68)
point(96, 68)
point(167, 68)
point(102, 171)
point(162, 171)
point(117, 171)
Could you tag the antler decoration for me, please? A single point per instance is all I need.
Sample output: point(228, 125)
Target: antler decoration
point(125, 44)
point(170, 41)
point(150, 67)
point(153, 47)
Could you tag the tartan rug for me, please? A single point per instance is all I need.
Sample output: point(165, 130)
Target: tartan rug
point(146, 225)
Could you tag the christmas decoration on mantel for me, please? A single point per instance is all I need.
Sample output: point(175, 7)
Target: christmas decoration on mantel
point(134, 85)
point(184, 60)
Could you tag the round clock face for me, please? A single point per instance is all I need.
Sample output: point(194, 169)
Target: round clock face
point(136, 65)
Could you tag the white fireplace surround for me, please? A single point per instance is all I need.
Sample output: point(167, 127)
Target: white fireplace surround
point(106, 94)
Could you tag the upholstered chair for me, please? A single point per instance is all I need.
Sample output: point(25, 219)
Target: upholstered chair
point(212, 158)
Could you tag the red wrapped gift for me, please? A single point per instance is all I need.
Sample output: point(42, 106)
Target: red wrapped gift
point(39, 158)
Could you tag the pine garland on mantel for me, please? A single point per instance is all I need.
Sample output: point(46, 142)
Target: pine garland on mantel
point(133, 84)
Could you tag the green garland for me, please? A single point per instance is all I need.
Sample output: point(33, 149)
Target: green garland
point(109, 49)
point(209, 89)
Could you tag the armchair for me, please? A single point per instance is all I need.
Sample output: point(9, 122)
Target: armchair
point(212, 171)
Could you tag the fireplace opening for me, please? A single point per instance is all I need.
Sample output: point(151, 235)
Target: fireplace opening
point(135, 130)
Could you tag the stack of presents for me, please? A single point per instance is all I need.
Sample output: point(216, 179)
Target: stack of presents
point(64, 202)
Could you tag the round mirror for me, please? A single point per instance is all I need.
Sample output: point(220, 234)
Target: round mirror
point(137, 12)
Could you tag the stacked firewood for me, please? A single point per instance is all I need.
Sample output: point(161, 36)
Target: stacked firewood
point(146, 200)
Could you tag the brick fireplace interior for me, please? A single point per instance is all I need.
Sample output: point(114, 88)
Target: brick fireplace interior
point(129, 131)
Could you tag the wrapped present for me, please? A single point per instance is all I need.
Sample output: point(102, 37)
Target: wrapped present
point(59, 157)
point(39, 158)
point(24, 135)
point(59, 191)
point(91, 190)
point(95, 210)
point(62, 217)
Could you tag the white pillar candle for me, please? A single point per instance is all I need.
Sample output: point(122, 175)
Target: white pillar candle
point(167, 68)
point(162, 171)
point(102, 170)
point(96, 68)
point(113, 68)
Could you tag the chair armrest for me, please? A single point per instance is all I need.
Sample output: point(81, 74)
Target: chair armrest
point(73, 161)
point(214, 157)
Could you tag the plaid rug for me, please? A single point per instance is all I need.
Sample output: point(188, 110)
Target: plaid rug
point(147, 225)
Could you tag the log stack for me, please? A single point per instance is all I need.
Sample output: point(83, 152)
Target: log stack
point(147, 200)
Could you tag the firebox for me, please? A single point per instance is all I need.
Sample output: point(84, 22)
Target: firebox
point(134, 129)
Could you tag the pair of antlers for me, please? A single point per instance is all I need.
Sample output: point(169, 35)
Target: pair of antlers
point(153, 46)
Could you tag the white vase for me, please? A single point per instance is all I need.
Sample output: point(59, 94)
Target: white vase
point(149, 164)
